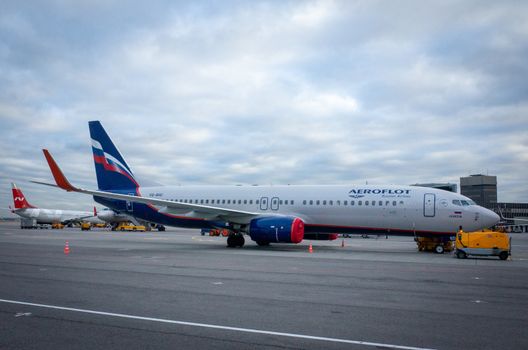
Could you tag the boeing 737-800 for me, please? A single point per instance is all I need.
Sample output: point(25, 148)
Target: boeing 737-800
point(48, 216)
point(277, 214)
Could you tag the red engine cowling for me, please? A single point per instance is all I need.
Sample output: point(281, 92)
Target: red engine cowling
point(276, 229)
point(321, 236)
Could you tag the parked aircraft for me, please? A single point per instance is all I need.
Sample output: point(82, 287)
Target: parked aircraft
point(279, 214)
point(48, 216)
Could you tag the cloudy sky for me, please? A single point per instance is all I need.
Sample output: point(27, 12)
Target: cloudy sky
point(281, 92)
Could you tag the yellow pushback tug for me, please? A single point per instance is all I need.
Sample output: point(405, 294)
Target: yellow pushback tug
point(483, 243)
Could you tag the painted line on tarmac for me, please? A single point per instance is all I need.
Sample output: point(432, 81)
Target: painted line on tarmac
point(227, 328)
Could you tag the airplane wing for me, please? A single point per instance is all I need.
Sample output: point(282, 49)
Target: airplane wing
point(164, 206)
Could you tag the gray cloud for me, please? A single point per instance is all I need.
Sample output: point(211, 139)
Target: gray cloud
point(266, 92)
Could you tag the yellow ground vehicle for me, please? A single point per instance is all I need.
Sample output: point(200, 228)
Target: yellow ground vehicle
point(57, 226)
point(436, 244)
point(483, 243)
point(85, 226)
point(130, 227)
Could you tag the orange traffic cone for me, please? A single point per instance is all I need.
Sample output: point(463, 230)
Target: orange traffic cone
point(343, 243)
point(66, 248)
point(310, 249)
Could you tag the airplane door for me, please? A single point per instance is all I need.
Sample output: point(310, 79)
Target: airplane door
point(130, 205)
point(264, 203)
point(275, 203)
point(429, 205)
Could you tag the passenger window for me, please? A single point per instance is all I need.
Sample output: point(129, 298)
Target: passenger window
point(229, 201)
point(207, 201)
point(338, 202)
point(251, 201)
point(352, 203)
point(345, 202)
point(366, 202)
point(257, 201)
point(245, 201)
point(291, 202)
point(331, 202)
point(324, 202)
point(394, 203)
point(280, 202)
point(311, 202)
point(239, 201)
point(373, 202)
point(401, 202)
point(360, 202)
point(380, 203)
point(304, 201)
point(387, 203)
point(317, 202)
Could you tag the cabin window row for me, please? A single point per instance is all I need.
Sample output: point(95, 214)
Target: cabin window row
point(352, 203)
point(229, 201)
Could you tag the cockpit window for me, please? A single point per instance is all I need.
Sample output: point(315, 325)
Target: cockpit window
point(456, 202)
point(465, 203)
point(471, 202)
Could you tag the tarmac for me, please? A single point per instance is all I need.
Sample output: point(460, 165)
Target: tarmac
point(180, 290)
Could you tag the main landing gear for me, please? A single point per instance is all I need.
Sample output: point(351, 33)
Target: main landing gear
point(235, 239)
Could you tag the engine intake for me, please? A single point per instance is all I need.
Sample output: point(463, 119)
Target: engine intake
point(277, 230)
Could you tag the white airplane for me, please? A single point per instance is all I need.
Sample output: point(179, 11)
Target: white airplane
point(277, 214)
point(48, 216)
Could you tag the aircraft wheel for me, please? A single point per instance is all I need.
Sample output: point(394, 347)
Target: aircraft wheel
point(263, 243)
point(439, 249)
point(460, 254)
point(240, 240)
point(231, 241)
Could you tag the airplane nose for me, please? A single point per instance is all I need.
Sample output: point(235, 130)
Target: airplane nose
point(489, 217)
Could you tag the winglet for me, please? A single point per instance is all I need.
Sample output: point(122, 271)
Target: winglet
point(60, 179)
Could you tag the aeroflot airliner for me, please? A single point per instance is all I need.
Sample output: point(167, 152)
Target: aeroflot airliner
point(48, 216)
point(277, 214)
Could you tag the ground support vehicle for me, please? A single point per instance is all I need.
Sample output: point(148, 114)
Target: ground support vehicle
point(28, 223)
point(438, 245)
point(130, 227)
point(483, 243)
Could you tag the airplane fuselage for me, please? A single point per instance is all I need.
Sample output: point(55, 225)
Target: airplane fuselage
point(52, 216)
point(405, 210)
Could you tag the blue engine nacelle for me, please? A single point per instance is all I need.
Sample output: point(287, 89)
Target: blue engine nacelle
point(276, 229)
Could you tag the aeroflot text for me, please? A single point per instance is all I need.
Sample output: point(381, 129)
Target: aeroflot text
point(378, 191)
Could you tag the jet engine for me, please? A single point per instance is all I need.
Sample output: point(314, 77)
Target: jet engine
point(275, 229)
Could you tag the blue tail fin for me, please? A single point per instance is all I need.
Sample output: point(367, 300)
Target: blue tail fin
point(113, 173)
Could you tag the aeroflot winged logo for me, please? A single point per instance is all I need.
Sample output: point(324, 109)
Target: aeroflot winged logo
point(384, 192)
